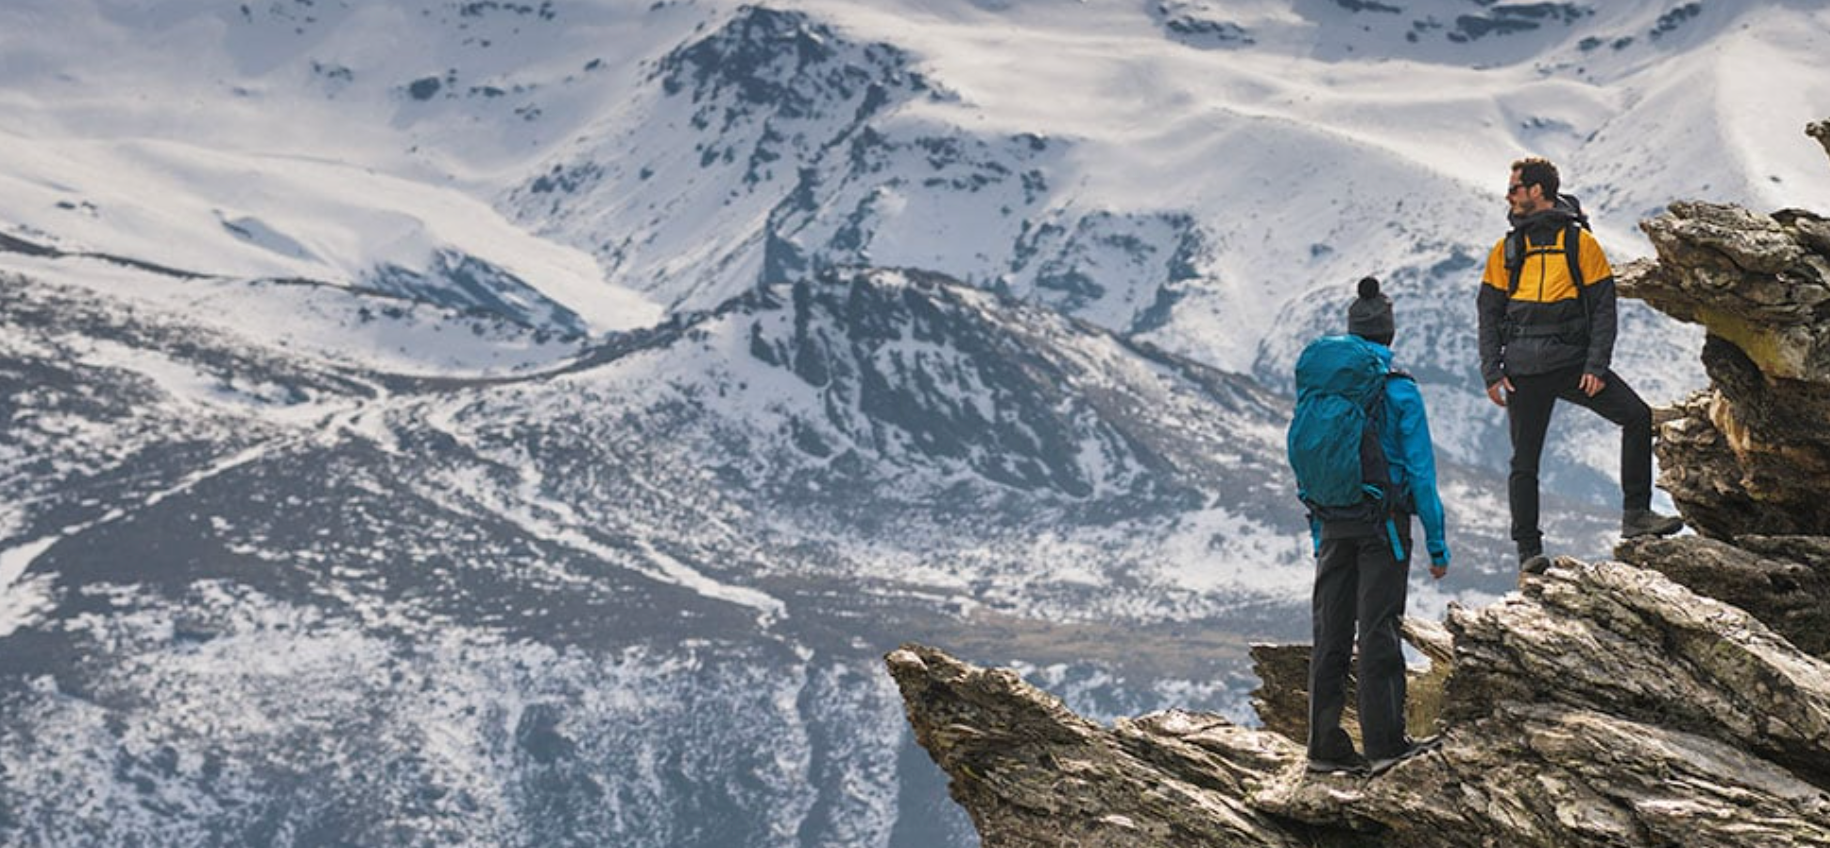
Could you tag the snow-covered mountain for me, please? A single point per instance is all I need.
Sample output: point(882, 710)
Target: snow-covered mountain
point(1194, 173)
point(480, 422)
point(268, 593)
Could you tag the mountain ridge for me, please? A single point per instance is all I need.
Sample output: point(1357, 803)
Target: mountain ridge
point(415, 532)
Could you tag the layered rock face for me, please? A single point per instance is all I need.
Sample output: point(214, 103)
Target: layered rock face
point(1678, 696)
point(1751, 454)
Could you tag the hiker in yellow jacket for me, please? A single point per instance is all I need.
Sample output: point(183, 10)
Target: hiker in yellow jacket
point(1547, 329)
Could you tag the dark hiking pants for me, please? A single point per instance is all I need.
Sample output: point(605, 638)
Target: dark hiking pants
point(1357, 579)
point(1528, 411)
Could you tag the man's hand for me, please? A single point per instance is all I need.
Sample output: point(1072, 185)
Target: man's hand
point(1438, 571)
point(1592, 384)
point(1498, 391)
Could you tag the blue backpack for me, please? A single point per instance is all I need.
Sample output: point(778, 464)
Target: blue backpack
point(1333, 443)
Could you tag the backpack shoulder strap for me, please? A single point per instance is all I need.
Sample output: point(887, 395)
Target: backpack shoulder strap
point(1399, 500)
point(1515, 260)
point(1393, 376)
point(1572, 253)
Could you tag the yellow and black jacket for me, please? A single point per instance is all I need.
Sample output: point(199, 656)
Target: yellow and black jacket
point(1547, 309)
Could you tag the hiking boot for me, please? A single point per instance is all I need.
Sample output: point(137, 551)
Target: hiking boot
point(1532, 562)
point(1645, 522)
point(1412, 748)
point(1352, 764)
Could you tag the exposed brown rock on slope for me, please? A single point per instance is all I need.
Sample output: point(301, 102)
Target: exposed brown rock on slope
point(1680, 697)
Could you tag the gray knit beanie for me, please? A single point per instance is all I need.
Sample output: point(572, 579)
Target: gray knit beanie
point(1370, 316)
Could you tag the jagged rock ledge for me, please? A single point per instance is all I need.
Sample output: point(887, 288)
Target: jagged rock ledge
point(1680, 697)
point(1603, 705)
point(1752, 453)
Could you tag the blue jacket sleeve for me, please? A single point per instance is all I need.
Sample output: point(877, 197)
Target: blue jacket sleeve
point(1417, 453)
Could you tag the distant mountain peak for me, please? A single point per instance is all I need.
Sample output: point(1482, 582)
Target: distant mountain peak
point(906, 368)
point(783, 61)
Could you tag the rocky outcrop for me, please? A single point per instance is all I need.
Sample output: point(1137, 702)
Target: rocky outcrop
point(1679, 696)
point(1750, 454)
point(1782, 580)
point(1032, 773)
point(1603, 705)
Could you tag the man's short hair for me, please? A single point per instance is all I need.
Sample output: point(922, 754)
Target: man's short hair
point(1538, 171)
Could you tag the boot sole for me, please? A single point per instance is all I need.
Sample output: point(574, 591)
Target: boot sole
point(1661, 530)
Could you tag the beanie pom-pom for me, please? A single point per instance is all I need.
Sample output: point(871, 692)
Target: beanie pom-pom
point(1369, 286)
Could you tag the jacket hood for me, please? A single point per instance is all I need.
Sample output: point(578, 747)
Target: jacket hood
point(1556, 217)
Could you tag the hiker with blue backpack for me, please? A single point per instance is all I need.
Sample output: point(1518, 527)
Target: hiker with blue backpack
point(1547, 328)
point(1359, 443)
